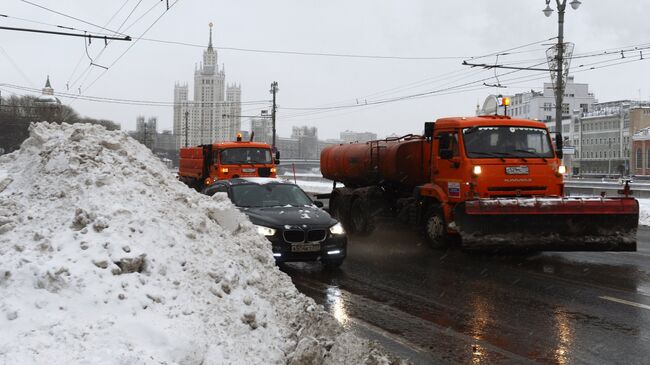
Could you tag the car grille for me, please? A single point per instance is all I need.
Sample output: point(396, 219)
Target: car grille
point(294, 236)
point(316, 235)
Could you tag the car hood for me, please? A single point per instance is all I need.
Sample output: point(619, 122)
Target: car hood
point(281, 216)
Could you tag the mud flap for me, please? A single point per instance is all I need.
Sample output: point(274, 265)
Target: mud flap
point(548, 224)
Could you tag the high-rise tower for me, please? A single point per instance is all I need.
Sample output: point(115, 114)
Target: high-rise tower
point(214, 114)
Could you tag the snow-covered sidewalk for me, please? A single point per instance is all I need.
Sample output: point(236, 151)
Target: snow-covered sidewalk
point(105, 258)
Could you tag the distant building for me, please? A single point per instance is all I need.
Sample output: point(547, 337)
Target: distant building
point(307, 142)
point(288, 147)
point(602, 137)
point(640, 159)
point(262, 128)
point(48, 105)
point(165, 141)
point(538, 105)
point(146, 132)
point(47, 95)
point(326, 143)
point(350, 136)
point(215, 113)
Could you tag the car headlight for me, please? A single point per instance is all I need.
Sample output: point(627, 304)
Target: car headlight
point(265, 231)
point(337, 229)
point(561, 169)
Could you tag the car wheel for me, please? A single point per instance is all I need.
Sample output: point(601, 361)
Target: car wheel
point(360, 218)
point(332, 264)
point(435, 228)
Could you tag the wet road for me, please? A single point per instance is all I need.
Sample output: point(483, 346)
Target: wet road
point(454, 307)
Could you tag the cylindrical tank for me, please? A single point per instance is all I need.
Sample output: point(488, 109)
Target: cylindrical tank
point(402, 162)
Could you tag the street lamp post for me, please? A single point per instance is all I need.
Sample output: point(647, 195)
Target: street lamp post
point(274, 90)
point(559, 88)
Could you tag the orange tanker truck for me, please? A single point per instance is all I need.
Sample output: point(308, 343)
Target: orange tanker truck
point(493, 181)
point(201, 165)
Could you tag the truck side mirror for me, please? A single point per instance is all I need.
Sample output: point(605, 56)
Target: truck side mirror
point(428, 129)
point(277, 157)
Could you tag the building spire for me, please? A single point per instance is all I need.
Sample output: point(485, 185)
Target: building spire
point(47, 83)
point(210, 43)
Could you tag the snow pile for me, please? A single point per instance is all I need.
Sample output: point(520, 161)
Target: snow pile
point(107, 259)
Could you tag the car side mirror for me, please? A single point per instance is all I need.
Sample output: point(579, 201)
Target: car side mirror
point(446, 154)
point(318, 203)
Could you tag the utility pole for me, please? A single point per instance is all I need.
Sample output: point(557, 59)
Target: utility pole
point(559, 93)
point(560, 83)
point(186, 129)
point(144, 137)
point(274, 90)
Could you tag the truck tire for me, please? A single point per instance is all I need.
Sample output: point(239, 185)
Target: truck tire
point(340, 207)
point(435, 228)
point(361, 220)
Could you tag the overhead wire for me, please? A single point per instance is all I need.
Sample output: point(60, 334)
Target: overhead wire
point(101, 52)
point(304, 53)
point(71, 17)
point(129, 101)
point(132, 44)
point(15, 65)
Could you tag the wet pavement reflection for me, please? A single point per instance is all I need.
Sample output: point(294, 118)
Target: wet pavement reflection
point(454, 307)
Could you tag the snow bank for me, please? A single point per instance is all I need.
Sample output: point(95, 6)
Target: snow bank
point(105, 258)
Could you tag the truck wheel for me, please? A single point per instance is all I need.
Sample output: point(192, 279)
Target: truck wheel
point(360, 218)
point(435, 228)
point(335, 206)
point(340, 208)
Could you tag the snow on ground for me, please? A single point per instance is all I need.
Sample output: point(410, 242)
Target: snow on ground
point(107, 259)
point(644, 211)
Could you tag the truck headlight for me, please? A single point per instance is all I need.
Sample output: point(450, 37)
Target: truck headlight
point(337, 229)
point(265, 231)
point(476, 170)
point(561, 169)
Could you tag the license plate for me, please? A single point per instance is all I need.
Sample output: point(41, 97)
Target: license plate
point(517, 170)
point(248, 170)
point(305, 248)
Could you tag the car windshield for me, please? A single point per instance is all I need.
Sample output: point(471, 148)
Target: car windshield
point(507, 141)
point(268, 195)
point(244, 155)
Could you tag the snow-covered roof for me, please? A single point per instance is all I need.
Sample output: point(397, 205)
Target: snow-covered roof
point(48, 99)
point(642, 134)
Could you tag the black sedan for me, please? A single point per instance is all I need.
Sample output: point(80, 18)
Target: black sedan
point(299, 230)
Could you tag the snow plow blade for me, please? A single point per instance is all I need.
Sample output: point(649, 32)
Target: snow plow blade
point(548, 224)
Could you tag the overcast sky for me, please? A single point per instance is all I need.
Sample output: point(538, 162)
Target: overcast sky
point(414, 28)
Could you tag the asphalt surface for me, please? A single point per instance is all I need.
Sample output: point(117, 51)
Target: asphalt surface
point(454, 307)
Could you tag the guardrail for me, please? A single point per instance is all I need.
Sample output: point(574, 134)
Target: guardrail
point(609, 187)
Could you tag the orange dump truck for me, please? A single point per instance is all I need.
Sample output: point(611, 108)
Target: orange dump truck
point(201, 165)
point(493, 181)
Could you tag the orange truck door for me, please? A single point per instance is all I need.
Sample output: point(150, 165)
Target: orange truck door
point(448, 172)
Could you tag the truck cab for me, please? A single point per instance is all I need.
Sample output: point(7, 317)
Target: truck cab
point(202, 165)
point(494, 156)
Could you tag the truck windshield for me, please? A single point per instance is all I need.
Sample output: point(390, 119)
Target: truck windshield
point(507, 141)
point(269, 195)
point(245, 155)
